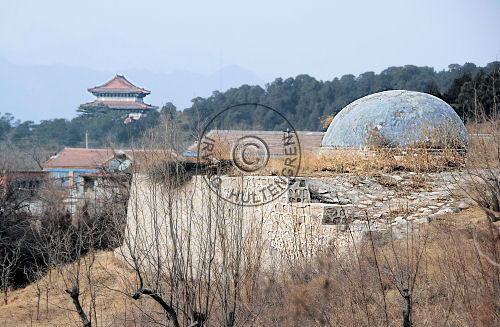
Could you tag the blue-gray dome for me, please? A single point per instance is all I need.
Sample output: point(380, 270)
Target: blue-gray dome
point(396, 118)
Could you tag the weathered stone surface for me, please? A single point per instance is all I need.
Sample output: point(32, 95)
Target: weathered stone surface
point(398, 117)
point(422, 220)
point(463, 205)
point(378, 201)
point(399, 220)
point(343, 204)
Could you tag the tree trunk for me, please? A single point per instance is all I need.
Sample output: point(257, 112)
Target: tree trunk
point(407, 312)
point(38, 297)
point(74, 293)
point(5, 284)
point(171, 314)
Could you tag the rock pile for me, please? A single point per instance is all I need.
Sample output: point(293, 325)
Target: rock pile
point(393, 198)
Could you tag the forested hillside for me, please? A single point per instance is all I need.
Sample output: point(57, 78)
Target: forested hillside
point(304, 100)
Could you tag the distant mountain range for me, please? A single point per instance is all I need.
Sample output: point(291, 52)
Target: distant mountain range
point(41, 92)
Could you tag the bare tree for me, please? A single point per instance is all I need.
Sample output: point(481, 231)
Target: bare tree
point(405, 269)
point(14, 222)
point(189, 248)
point(9, 256)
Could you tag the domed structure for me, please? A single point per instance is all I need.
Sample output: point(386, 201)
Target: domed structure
point(396, 118)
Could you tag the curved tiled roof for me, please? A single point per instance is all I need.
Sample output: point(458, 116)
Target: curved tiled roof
point(119, 84)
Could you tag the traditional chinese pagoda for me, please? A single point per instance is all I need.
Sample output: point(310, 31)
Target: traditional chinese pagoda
point(120, 95)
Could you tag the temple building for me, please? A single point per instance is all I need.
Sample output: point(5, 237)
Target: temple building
point(120, 95)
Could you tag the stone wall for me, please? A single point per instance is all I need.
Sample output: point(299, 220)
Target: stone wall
point(164, 220)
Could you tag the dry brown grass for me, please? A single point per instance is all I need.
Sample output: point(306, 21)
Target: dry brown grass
point(112, 308)
point(484, 151)
point(482, 168)
point(370, 162)
point(457, 286)
point(484, 144)
point(486, 126)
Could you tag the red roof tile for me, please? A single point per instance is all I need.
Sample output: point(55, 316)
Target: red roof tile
point(274, 140)
point(119, 84)
point(80, 158)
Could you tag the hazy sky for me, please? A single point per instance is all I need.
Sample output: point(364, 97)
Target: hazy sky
point(271, 38)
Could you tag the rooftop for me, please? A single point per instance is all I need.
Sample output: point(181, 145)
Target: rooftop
point(273, 139)
point(81, 158)
point(119, 84)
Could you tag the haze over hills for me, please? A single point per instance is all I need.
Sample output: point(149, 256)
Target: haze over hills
point(41, 92)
